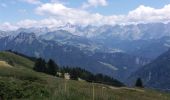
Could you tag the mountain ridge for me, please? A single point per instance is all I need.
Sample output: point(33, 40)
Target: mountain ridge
point(155, 74)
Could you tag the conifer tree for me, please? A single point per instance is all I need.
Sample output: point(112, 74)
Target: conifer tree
point(40, 65)
point(139, 83)
point(52, 67)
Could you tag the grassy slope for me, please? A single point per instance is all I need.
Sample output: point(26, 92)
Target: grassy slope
point(4, 64)
point(37, 85)
point(16, 61)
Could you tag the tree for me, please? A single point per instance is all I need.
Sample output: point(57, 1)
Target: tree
point(74, 74)
point(139, 83)
point(40, 65)
point(52, 67)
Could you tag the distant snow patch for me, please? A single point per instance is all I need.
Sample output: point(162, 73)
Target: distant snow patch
point(108, 65)
point(124, 68)
point(167, 45)
point(137, 60)
point(150, 75)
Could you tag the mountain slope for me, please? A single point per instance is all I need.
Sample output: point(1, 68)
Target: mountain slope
point(96, 62)
point(155, 74)
point(16, 60)
point(23, 83)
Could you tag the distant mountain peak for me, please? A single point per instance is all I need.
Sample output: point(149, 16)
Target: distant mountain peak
point(23, 36)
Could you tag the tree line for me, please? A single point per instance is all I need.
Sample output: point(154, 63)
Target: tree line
point(78, 73)
point(75, 73)
point(51, 68)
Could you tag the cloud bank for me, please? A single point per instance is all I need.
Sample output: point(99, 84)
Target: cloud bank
point(142, 14)
point(57, 14)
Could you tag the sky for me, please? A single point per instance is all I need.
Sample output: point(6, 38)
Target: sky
point(15, 14)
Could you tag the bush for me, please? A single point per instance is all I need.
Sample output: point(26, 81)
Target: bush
point(17, 89)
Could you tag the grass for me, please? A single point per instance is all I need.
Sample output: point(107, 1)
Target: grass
point(23, 83)
point(84, 91)
point(4, 64)
point(15, 60)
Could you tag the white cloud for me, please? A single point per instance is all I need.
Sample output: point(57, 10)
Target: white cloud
point(94, 3)
point(8, 26)
point(65, 14)
point(33, 1)
point(49, 22)
point(148, 14)
point(27, 23)
point(58, 14)
point(142, 14)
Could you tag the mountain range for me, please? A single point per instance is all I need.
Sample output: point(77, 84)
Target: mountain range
point(117, 50)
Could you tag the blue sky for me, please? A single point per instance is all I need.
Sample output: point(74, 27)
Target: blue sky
point(15, 11)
